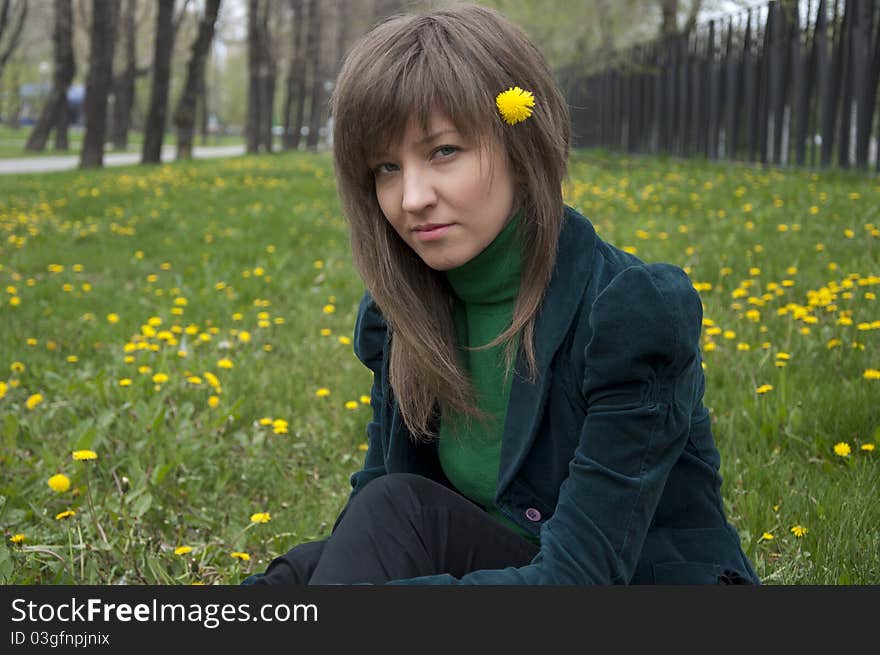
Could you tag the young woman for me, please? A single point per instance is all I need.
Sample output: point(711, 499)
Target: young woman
point(537, 395)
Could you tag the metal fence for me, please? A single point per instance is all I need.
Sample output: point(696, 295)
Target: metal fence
point(790, 83)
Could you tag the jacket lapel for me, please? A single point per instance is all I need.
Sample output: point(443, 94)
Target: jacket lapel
point(571, 274)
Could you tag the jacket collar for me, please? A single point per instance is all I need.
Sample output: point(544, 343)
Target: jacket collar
point(571, 274)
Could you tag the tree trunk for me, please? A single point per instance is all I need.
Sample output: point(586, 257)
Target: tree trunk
point(98, 83)
point(185, 114)
point(669, 13)
point(307, 7)
point(296, 18)
point(317, 96)
point(268, 75)
point(11, 30)
point(125, 82)
point(202, 104)
point(55, 111)
point(154, 131)
point(254, 111)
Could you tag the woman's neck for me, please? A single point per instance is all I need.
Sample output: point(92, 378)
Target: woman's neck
point(493, 275)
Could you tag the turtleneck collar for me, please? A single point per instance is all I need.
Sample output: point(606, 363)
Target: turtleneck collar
point(493, 275)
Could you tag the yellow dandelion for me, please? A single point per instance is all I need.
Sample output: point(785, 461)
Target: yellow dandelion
point(160, 378)
point(345, 341)
point(266, 421)
point(764, 388)
point(17, 538)
point(17, 367)
point(182, 550)
point(799, 531)
point(59, 483)
point(113, 318)
point(329, 309)
point(212, 380)
point(842, 449)
point(868, 447)
point(279, 426)
point(125, 382)
point(213, 402)
point(351, 404)
point(64, 515)
point(225, 363)
point(515, 105)
point(872, 374)
point(365, 400)
point(33, 400)
point(261, 517)
point(244, 557)
point(363, 447)
point(244, 336)
point(83, 455)
point(323, 392)
point(767, 536)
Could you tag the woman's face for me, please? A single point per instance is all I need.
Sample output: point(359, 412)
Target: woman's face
point(446, 198)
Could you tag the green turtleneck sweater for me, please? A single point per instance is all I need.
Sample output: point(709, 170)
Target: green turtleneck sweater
point(485, 288)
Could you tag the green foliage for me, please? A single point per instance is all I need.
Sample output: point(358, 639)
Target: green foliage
point(123, 289)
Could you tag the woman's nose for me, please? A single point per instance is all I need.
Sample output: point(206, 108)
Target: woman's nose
point(418, 191)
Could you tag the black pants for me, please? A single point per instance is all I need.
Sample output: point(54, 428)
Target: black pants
point(402, 526)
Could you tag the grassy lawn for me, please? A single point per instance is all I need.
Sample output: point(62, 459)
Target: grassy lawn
point(190, 324)
point(12, 142)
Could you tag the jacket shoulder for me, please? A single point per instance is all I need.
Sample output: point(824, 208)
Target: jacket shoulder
point(370, 333)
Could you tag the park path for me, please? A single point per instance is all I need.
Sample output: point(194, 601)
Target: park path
point(70, 162)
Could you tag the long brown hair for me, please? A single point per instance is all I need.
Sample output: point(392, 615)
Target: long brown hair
point(455, 60)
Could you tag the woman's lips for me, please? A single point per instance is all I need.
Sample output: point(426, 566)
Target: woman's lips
point(433, 234)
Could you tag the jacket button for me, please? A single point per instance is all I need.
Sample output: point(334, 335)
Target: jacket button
point(532, 514)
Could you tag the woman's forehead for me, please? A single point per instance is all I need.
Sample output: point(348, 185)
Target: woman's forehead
point(417, 130)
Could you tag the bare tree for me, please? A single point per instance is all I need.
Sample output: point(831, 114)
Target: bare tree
point(154, 130)
point(669, 14)
point(10, 30)
point(268, 77)
point(98, 83)
point(124, 83)
point(296, 76)
point(56, 113)
point(254, 105)
point(185, 114)
point(262, 72)
point(313, 48)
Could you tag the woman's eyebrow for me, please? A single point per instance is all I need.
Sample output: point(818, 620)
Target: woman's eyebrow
point(424, 140)
point(436, 135)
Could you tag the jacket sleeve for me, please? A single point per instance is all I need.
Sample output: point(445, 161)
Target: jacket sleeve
point(641, 380)
point(370, 334)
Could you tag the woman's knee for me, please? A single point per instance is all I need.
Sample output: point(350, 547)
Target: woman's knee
point(399, 492)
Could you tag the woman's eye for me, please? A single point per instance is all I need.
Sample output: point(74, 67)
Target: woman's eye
point(446, 151)
point(384, 168)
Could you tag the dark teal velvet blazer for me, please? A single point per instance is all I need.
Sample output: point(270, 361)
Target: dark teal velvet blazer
point(609, 456)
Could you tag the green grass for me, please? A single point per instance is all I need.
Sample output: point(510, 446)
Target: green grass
point(12, 142)
point(257, 245)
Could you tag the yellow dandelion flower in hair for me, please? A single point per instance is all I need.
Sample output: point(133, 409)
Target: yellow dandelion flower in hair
point(515, 105)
